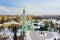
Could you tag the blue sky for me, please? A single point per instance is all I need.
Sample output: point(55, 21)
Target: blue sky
point(33, 7)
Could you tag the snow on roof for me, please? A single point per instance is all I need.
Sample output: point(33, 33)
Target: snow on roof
point(10, 23)
point(53, 20)
point(58, 22)
point(41, 23)
point(0, 24)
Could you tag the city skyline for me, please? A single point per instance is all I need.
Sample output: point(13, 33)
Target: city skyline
point(32, 7)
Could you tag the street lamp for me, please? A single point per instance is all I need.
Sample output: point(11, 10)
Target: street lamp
point(41, 28)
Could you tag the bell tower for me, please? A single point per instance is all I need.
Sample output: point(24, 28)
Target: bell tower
point(24, 21)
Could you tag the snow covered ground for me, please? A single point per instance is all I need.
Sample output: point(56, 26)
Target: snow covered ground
point(30, 35)
point(48, 36)
point(10, 34)
point(55, 35)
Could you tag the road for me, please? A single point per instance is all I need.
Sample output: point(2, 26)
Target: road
point(34, 36)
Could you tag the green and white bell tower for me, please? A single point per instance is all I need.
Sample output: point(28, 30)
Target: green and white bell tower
point(24, 28)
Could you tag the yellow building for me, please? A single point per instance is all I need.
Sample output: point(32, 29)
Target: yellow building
point(5, 18)
point(0, 18)
point(7, 24)
point(29, 17)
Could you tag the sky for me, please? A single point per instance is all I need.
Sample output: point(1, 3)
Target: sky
point(32, 7)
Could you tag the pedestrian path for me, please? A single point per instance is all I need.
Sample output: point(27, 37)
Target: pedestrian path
point(34, 36)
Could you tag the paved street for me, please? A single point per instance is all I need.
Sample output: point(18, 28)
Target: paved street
point(34, 36)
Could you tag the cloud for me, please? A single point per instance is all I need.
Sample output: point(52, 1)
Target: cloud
point(2, 8)
point(34, 7)
point(43, 8)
